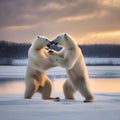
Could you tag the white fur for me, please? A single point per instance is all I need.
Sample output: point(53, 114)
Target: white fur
point(72, 59)
point(38, 62)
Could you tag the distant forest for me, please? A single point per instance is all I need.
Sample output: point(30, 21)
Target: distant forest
point(13, 50)
point(101, 50)
point(20, 50)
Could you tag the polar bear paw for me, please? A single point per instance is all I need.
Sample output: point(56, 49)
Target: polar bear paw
point(51, 52)
point(88, 100)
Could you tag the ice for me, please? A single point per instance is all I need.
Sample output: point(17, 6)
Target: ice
point(105, 107)
point(14, 107)
point(95, 60)
point(88, 60)
point(58, 72)
point(19, 61)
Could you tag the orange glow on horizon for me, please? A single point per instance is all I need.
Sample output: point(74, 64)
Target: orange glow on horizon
point(75, 18)
point(99, 38)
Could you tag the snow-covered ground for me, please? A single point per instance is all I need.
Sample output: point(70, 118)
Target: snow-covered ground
point(94, 72)
point(19, 61)
point(103, 61)
point(14, 107)
point(88, 60)
point(105, 107)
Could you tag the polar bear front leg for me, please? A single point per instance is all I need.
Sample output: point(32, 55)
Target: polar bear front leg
point(68, 90)
point(60, 59)
point(56, 53)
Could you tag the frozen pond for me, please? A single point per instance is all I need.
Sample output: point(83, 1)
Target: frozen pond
point(104, 82)
point(16, 86)
point(58, 72)
point(102, 79)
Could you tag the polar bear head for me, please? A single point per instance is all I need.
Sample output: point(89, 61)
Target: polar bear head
point(40, 42)
point(64, 40)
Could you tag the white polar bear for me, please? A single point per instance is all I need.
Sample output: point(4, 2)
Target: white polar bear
point(38, 62)
point(71, 58)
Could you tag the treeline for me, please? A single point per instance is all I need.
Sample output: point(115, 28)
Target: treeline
point(20, 50)
point(101, 50)
point(13, 50)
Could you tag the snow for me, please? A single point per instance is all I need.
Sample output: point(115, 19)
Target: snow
point(98, 60)
point(20, 71)
point(14, 107)
point(58, 72)
point(19, 61)
point(105, 107)
point(88, 60)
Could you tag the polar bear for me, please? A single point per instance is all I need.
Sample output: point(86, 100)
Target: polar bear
point(38, 62)
point(71, 58)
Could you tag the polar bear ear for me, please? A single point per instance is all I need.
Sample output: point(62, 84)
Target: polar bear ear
point(38, 36)
point(65, 35)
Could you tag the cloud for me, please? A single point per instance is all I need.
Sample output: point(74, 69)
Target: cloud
point(50, 17)
point(103, 18)
point(31, 12)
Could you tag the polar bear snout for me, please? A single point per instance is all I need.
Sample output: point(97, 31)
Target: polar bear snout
point(54, 42)
point(49, 44)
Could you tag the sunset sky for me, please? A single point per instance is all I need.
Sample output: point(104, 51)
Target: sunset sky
point(88, 21)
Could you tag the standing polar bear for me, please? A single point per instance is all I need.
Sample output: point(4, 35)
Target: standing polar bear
point(38, 62)
point(71, 58)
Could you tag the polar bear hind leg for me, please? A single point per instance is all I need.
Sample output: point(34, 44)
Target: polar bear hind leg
point(46, 89)
point(68, 90)
point(85, 92)
point(31, 88)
